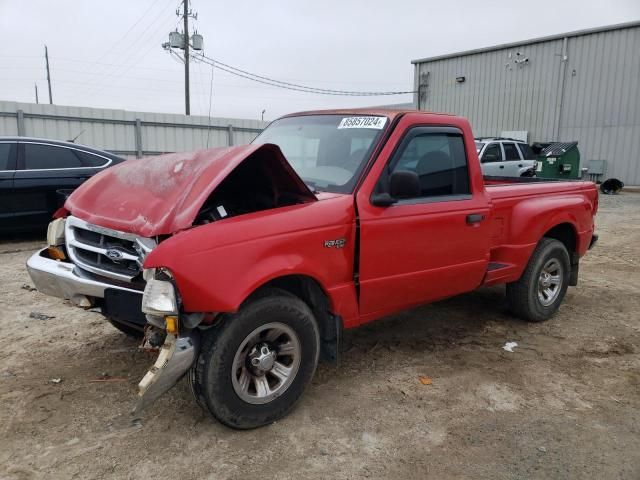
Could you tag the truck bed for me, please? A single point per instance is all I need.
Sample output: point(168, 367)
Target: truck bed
point(508, 187)
point(497, 180)
point(528, 208)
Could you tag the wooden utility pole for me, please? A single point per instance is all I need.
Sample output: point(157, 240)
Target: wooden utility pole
point(186, 57)
point(46, 56)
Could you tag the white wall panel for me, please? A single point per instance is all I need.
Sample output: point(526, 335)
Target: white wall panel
point(598, 104)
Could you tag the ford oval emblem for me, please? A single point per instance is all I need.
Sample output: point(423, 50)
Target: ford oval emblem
point(114, 254)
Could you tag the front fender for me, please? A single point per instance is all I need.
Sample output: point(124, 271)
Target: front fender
point(217, 266)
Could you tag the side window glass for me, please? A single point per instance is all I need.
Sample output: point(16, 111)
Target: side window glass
point(510, 151)
point(41, 157)
point(89, 160)
point(439, 160)
point(492, 153)
point(526, 151)
point(5, 151)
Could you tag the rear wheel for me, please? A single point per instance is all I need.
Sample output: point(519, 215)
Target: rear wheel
point(537, 295)
point(253, 369)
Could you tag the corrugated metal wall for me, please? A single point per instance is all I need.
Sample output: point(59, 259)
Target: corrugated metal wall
point(124, 132)
point(592, 97)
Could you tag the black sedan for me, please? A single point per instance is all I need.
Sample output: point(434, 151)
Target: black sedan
point(36, 175)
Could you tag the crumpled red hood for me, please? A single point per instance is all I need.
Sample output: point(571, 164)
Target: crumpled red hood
point(162, 195)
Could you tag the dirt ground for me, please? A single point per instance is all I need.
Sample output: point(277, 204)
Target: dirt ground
point(564, 404)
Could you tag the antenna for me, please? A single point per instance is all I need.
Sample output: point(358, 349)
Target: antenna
point(76, 137)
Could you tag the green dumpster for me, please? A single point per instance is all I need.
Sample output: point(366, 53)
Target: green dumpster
point(559, 160)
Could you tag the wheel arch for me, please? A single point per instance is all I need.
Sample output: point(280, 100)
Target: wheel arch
point(566, 234)
point(312, 293)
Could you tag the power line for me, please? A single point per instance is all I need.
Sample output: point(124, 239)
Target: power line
point(288, 85)
point(131, 52)
point(58, 59)
point(113, 45)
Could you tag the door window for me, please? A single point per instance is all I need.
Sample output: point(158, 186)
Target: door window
point(89, 160)
point(42, 157)
point(510, 151)
point(526, 151)
point(439, 160)
point(6, 162)
point(492, 153)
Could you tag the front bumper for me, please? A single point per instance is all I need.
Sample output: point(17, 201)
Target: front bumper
point(65, 280)
point(176, 357)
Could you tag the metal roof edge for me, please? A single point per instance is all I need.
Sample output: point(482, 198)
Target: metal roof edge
point(576, 33)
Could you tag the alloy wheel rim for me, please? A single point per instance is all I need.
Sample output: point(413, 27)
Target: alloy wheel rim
point(550, 282)
point(266, 363)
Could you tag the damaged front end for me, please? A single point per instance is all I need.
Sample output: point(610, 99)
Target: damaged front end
point(113, 224)
point(175, 336)
point(176, 356)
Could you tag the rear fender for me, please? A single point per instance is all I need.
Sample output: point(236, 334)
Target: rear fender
point(532, 218)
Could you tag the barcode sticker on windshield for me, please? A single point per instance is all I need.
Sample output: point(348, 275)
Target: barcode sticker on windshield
point(363, 122)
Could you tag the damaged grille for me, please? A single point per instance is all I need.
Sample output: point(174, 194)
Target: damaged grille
point(106, 252)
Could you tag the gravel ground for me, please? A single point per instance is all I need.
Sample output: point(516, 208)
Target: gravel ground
point(564, 404)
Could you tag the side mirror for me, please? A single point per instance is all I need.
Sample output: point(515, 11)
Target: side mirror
point(382, 200)
point(402, 184)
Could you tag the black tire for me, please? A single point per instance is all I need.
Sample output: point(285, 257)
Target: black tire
point(127, 329)
point(211, 375)
point(522, 295)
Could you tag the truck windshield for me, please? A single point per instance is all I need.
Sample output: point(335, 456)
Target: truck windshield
point(327, 151)
point(479, 146)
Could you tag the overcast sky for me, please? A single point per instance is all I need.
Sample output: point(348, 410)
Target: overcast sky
point(108, 54)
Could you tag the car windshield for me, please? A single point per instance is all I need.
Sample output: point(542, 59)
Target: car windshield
point(327, 151)
point(479, 146)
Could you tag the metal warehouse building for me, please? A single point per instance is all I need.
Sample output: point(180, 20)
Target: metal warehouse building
point(582, 86)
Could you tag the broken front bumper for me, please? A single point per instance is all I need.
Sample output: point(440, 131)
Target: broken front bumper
point(65, 280)
point(177, 354)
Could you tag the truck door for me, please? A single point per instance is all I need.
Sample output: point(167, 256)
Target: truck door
point(429, 247)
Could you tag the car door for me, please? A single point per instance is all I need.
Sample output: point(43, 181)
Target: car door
point(428, 247)
point(7, 172)
point(491, 160)
point(46, 174)
point(512, 161)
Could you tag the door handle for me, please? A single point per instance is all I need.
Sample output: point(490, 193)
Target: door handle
point(474, 218)
point(501, 166)
point(519, 165)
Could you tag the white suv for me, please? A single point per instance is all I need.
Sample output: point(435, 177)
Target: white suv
point(505, 157)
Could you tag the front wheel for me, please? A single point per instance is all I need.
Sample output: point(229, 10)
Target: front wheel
point(537, 295)
point(253, 369)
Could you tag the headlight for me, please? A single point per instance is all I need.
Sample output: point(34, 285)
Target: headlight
point(159, 298)
point(55, 232)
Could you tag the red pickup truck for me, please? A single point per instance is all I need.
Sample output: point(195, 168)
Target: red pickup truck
point(242, 265)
